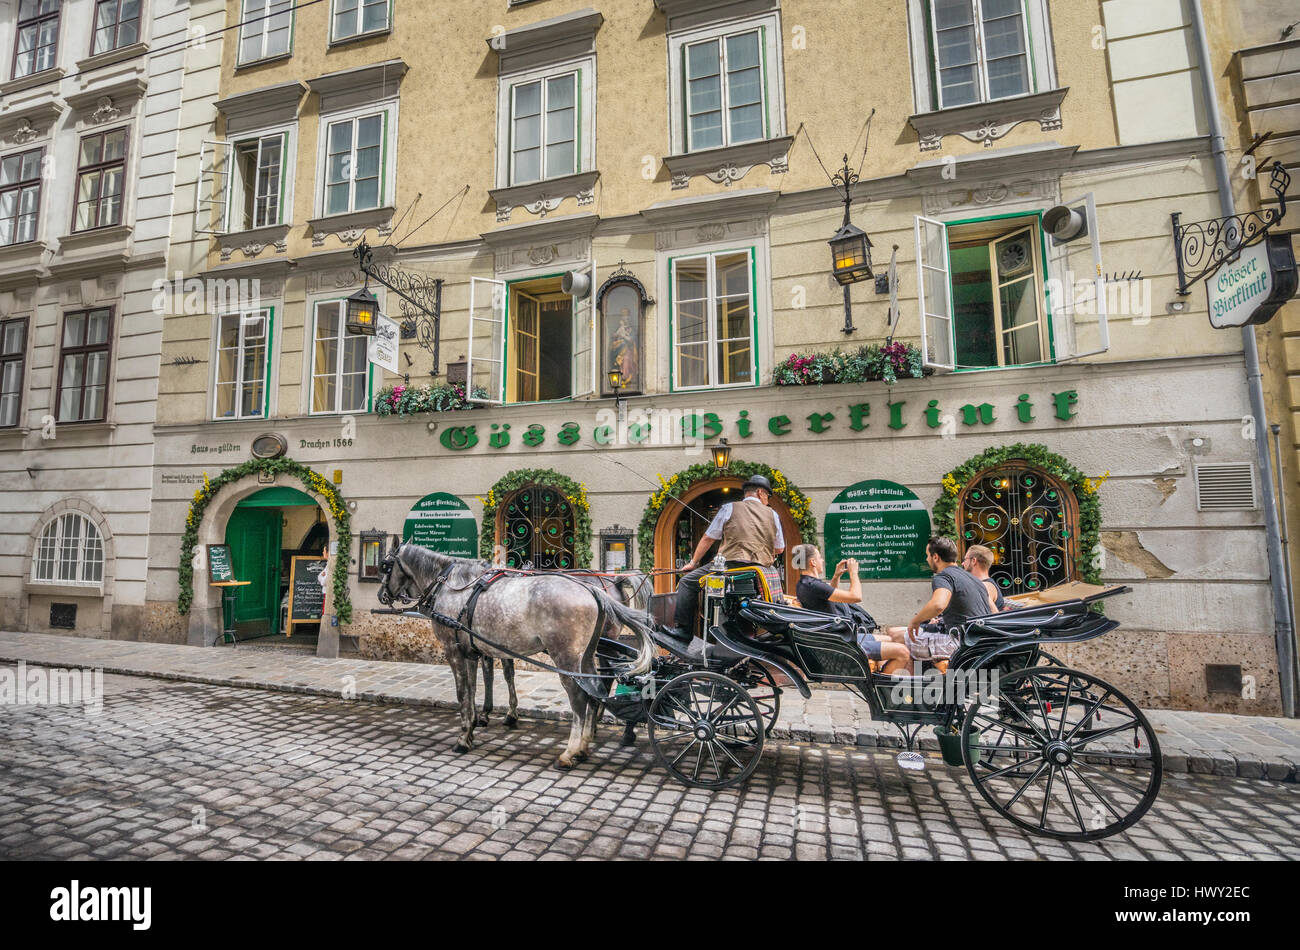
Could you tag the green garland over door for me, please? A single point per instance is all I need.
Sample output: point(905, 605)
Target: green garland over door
point(972, 476)
point(570, 500)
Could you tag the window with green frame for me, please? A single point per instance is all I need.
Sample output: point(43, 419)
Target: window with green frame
point(257, 197)
point(979, 51)
point(713, 320)
point(340, 367)
point(243, 365)
point(725, 99)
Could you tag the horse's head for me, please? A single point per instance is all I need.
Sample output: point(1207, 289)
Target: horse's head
point(396, 583)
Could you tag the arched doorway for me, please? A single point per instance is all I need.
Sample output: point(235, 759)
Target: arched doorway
point(265, 532)
point(1028, 519)
point(249, 493)
point(683, 520)
point(535, 524)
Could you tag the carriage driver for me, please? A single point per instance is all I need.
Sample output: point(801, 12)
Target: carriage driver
point(750, 533)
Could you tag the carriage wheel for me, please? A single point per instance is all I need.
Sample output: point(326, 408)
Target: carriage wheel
point(766, 695)
point(1063, 754)
point(706, 730)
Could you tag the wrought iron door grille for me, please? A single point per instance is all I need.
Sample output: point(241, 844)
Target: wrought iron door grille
point(1026, 518)
point(538, 527)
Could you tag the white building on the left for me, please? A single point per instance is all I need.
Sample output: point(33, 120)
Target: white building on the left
point(90, 108)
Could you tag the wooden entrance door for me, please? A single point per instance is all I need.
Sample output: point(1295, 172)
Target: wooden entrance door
point(254, 538)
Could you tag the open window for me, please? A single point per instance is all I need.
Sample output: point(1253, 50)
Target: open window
point(990, 296)
point(214, 187)
point(487, 319)
point(257, 182)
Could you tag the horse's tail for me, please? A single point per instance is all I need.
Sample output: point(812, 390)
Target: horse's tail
point(637, 623)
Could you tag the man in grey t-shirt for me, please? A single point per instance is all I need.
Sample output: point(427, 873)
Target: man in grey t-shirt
point(956, 596)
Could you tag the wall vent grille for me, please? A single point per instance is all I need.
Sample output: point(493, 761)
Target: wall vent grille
point(1225, 486)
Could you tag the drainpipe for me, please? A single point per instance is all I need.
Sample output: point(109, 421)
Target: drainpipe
point(1282, 629)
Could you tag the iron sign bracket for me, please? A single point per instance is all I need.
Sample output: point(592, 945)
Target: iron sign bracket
point(420, 301)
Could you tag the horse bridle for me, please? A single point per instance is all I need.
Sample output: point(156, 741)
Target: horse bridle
point(385, 595)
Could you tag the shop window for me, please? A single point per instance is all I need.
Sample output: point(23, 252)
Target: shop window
point(69, 551)
point(358, 17)
point(1029, 521)
point(101, 174)
point(997, 292)
point(266, 30)
point(20, 196)
point(243, 343)
point(726, 85)
point(13, 357)
point(531, 341)
point(36, 42)
point(117, 24)
point(355, 154)
point(83, 365)
point(340, 370)
point(713, 317)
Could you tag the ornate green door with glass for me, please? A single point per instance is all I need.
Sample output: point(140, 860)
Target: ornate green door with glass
point(253, 534)
point(1027, 519)
point(538, 526)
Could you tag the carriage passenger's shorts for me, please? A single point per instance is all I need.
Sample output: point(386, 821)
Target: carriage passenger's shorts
point(931, 642)
point(870, 645)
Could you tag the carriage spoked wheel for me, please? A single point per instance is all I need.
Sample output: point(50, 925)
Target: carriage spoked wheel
point(706, 730)
point(1063, 754)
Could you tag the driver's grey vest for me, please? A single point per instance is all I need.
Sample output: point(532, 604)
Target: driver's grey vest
point(749, 534)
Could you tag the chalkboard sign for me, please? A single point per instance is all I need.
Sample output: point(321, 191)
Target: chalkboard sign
point(220, 568)
point(306, 595)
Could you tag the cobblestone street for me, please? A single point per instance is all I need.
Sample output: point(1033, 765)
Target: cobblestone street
point(175, 770)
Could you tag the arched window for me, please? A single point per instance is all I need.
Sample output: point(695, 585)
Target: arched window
point(69, 551)
point(537, 525)
point(1028, 519)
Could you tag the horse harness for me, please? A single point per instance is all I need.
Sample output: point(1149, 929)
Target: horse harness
point(464, 620)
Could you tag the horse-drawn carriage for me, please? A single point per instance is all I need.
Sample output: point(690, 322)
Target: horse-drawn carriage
point(1057, 751)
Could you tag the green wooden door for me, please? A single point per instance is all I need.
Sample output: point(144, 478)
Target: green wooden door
point(254, 538)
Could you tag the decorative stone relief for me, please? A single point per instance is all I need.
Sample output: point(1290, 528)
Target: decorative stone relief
point(24, 133)
point(544, 197)
point(348, 236)
point(105, 111)
point(560, 254)
point(340, 279)
point(986, 122)
point(541, 255)
point(983, 194)
point(667, 239)
point(725, 166)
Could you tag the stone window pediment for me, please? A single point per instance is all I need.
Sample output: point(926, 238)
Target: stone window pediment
point(349, 88)
point(547, 42)
point(261, 108)
point(731, 163)
point(687, 14)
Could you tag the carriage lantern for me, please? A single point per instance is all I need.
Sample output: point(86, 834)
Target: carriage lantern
point(615, 380)
point(363, 312)
point(721, 454)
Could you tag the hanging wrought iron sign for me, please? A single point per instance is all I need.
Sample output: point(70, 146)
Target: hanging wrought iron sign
point(420, 304)
point(1203, 248)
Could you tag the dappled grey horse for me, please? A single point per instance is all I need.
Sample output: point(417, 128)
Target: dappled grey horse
point(525, 614)
point(631, 588)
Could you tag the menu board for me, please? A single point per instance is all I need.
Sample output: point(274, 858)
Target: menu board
point(306, 593)
point(882, 524)
point(442, 522)
point(220, 568)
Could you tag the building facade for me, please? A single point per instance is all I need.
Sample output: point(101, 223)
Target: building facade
point(646, 188)
point(90, 93)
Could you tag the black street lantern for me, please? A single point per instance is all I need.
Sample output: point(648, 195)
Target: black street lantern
point(850, 247)
point(851, 255)
point(721, 454)
point(363, 312)
point(615, 380)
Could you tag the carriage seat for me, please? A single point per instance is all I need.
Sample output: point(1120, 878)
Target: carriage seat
point(1055, 622)
point(781, 618)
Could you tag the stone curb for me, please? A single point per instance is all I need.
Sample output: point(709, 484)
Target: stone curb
point(1190, 761)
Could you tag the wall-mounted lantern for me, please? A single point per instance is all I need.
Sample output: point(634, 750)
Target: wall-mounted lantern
point(721, 455)
point(850, 247)
point(363, 312)
point(372, 555)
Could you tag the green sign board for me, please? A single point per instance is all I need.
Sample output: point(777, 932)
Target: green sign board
point(219, 567)
point(442, 522)
point(882, 524)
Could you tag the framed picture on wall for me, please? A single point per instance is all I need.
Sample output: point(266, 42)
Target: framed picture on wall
point(622, 302)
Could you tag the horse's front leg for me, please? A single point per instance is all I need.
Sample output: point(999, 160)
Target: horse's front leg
point(464, 673)
point(487, 690)
point(578, 701)
point(512, 716)
point(591, 719)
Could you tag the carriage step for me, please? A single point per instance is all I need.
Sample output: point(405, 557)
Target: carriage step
point(911, 760)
